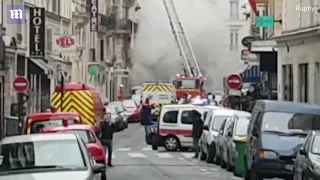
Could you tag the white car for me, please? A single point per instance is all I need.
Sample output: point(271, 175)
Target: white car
point(47, 156)
point(211, 128)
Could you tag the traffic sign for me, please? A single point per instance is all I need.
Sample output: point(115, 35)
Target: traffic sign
point(20, 84)
point(234, 81)
point(265, 21)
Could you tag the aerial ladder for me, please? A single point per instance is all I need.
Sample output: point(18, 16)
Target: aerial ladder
point(190, 64)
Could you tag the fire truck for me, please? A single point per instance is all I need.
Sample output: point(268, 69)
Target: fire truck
point(191, 80)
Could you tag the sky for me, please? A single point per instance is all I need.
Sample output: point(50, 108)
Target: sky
point(156, 56)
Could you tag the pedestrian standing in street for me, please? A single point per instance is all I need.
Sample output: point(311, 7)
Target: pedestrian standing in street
point(120, 93)
point(197, 127)
point(146, 114)
point(107, 128)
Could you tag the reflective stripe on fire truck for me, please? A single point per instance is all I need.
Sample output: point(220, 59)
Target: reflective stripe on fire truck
point(159, 88)
point(76, 101)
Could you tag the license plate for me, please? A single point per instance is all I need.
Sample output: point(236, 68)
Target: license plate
point(288, 167)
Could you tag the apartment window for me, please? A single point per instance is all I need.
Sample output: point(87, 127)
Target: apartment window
point(234, 9)
point(288, 82)
point(317, 83)
point(303, 82)
point(55, 6)
point(49, 39)
point(234, 40)
point(312, 13)
point(101, 50)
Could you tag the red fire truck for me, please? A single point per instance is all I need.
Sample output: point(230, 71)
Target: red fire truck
point(189, 85)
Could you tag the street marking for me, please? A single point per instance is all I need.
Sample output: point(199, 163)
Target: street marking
point(181, 158)
point(148, 148)
point(124, 149)
point(136, 155)
point(188, 155)
point(164, 155)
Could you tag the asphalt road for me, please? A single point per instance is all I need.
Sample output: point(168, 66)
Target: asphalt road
point(134, 159)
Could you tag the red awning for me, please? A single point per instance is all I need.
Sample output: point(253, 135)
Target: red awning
point(253, 4)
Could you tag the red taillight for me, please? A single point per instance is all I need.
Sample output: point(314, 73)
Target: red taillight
point(96, 151)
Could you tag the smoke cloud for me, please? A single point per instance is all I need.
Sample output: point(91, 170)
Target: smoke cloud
point(156, 56)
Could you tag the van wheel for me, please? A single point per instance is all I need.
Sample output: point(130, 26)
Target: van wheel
point(171, 143)
point(154, 142)
point(222, 163)
point(203, 155)
point(210, 155)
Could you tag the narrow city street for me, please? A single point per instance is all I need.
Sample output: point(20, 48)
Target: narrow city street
point(135, 160)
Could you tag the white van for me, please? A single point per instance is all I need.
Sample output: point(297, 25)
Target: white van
point(175, 126)
point(211, 128)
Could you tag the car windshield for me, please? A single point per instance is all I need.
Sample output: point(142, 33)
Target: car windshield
point(129, 104)
point(242, 126)
point(316, 145)
point(284, 121)
point(111, 110)
point(37, 126)
point(85, 135)
point(186, 84)
point(217, 122)
point(39, 155)
point(116, 105)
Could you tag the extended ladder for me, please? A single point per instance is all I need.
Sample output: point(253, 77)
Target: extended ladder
point(190, 64)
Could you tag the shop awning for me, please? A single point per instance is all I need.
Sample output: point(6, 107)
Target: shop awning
point(251, 75)
point(263, 46)
point(48, 70)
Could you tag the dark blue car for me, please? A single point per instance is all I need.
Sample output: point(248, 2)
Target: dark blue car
point(276, 132)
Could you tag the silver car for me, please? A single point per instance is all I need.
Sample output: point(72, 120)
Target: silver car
point(47, 156)
point(221, 140)
point(238, 128)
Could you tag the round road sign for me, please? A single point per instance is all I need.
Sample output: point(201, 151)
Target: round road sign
point(20, 84)
point(234, 81)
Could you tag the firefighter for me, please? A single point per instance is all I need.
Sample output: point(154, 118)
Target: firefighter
point(120, 93)
point(146, 114)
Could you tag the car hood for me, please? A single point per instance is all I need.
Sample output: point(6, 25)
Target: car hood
point(62, 175)
point(284, 145)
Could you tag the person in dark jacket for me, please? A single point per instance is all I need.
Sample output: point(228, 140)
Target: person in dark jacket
point(197, 127)
point(107, 128)
point(146, 114)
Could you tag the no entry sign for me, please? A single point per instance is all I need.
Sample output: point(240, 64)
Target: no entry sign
point(234, 81)
point(20, 84)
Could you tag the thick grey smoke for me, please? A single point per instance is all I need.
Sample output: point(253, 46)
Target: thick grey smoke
point(156, 56)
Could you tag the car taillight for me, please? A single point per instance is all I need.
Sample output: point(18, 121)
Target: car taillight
point(96, 152)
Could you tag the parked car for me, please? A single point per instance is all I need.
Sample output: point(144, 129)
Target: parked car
point(133, 111)
point(88, 135)
point(221, 139)
point(119, 112)
point(208, 141)
point(116, 118)
point(236, 130)
point(274, 138)
point(48, 156)
point(307, 164)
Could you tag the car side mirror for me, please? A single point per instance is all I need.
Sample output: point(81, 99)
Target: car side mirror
point(98, 168)
point(206, 128)
point(303, 151)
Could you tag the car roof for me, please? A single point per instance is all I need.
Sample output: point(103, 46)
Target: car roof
point(212, 107)
point(230, 112)
point(69, 127)
point(46, 115)
point(286, 106)
point(38, 137)
point(178, 106)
